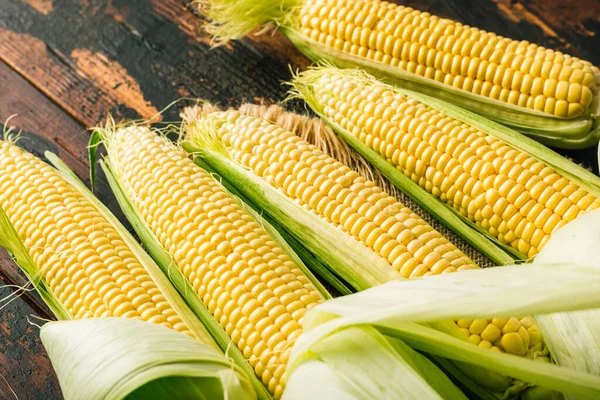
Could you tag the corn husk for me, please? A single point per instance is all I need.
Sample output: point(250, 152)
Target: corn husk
point(114, 358)
point(574, 337)
point(403, 308)
point(354, 363)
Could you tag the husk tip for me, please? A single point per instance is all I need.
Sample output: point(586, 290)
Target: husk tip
point(233, 19)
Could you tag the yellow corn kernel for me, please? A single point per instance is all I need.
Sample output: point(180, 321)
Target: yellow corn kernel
point(513, 343)
point(478, 326)
point(512, 325)
point(452, 53)
point(491, 333)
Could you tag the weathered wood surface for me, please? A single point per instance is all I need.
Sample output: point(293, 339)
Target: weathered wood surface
point(67, 63)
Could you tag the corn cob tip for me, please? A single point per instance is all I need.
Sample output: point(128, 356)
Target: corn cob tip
point(303, 82)
point(105, 132)
point(301, 85)
point(233, 19)
point(201, 131)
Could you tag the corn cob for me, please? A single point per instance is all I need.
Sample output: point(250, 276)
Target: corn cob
point(357, 207)
point(247, 282)
point(82, 258)
point(515, 72)
point(514, 196)
point(548, 94)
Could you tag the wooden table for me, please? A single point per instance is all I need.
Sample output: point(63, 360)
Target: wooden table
point(67, 63)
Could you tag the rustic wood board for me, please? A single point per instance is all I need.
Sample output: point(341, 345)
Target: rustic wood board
point(67, 63)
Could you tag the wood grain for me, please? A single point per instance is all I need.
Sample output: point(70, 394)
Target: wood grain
point(150, 48)
point(25, 370)
point(574, 26)
point(33, 112)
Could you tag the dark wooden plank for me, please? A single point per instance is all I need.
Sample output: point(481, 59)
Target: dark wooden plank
point(11, 275)
point(25, 370)
point(124, 57)
point(33, 112)
point(54, 129)
point(573, 25)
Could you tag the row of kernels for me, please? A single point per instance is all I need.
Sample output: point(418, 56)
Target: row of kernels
point(482, 169)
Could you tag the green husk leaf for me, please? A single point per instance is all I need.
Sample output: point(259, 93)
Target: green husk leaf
point(574, 337)
point(314, 264)
point(427, 369)
point(553, 131)
point(95, 140)
point(183, 286)
point(307, 227)
point(347, 354)
point(471, 386)
point(116, 358)
point(399, 307)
